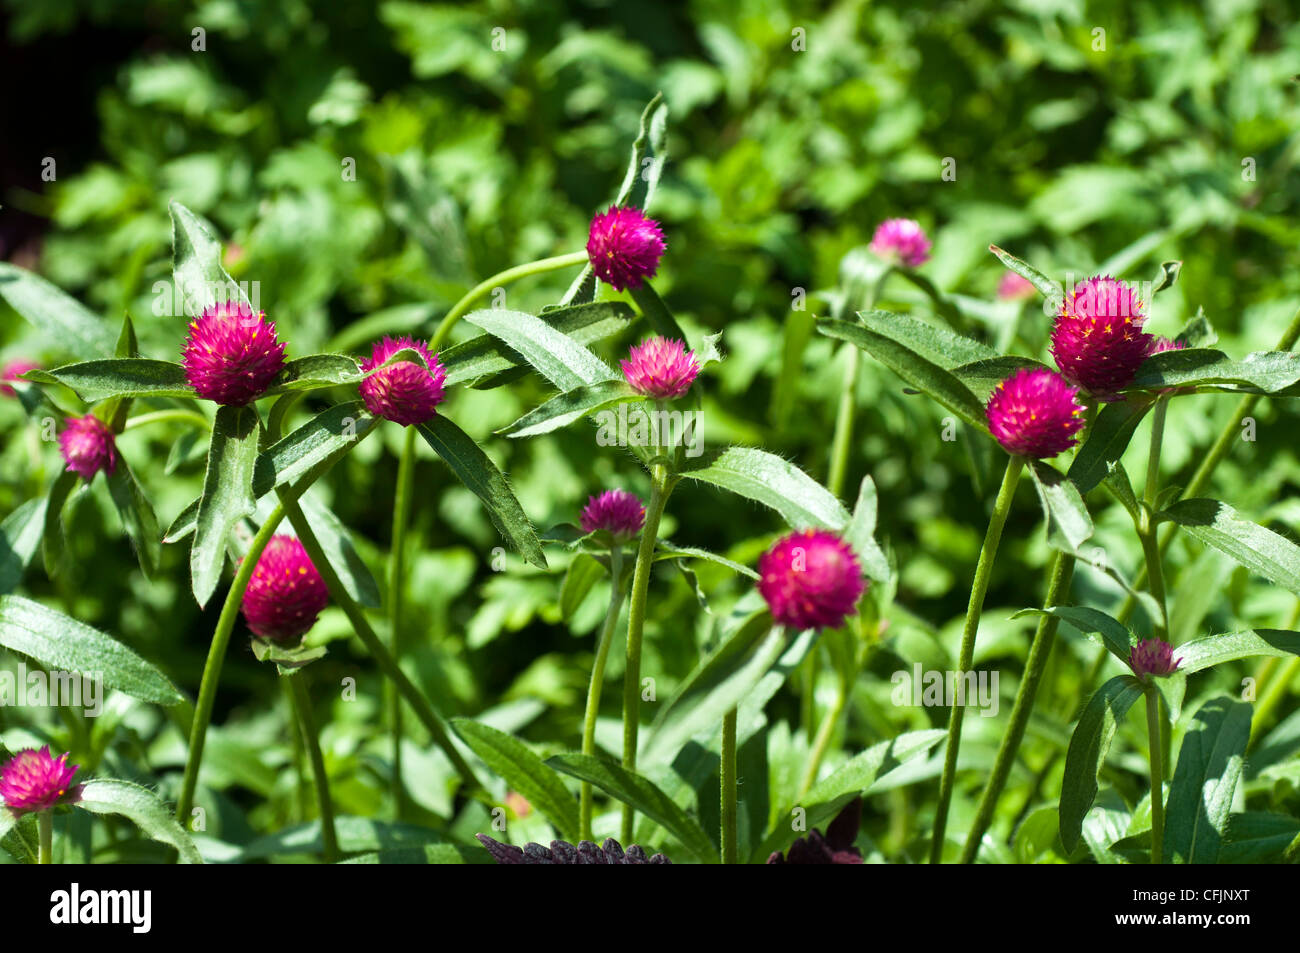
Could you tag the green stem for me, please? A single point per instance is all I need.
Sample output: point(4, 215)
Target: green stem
point(1153, 453)
point(311, 739)
point(1156, 761)
point(983, 570)
point(840, 442)
point(823, 740)
point(396, 592)
point(1040, 650)
point(217, 656)
point(660, 488)
point(297, 753)
point(431, 720)
point(597, 682)
point(730, 849)
point(45, 826)
point(1277, 689)
point(500, 278)
point(163, 416)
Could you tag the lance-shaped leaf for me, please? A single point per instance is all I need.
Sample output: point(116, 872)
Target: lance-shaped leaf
point(196, 264)
point(489, 484)
point(656, 312)
point(515, 763)
point(335, 539)
point(60, 642)
point(1115, 636)
point(766, 478)
point(923, 375)
point(227, 495)
point(936, 344)
point(666, 549)
point(129, 377)
point(1108, 438)
point(486, 361)
point(1087, 752)
point(1264, 372)
point(1213, 650)
point(643, 795)
point(143, 808)
point(1068, 522)
point(317, 371)
point(556, 356)
point(982, 376)
point(861, 532)
point(563, 409)
point(54, 549)
point(137, 516)
point(1048, 288)
point(20, 538)
point(66, 320)
point(1260, 550)
point(644, 168)
point(1210, 763)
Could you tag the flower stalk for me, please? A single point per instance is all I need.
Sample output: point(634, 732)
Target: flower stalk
point(594, 688)
point(301, 697)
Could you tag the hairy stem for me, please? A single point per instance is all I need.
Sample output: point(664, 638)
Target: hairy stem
point(311, 739)
point(45, 829)
point(603, 643)
point(1156, 761)
point(822, 742)
point(396, 593)
point(727, 779)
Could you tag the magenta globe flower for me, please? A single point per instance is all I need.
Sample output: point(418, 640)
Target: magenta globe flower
point(405, 392)
point(232, 354)
point(624, 247)
point(901, 240)
point(13, 371)
point(285, 593)
point(88, 446)
point(810, 580)
point(36, 781)
point(616, 512)
point(660, 368)
point(1098, 341)
point(1014, 287)
point(1035, 413)
point(1153, 657)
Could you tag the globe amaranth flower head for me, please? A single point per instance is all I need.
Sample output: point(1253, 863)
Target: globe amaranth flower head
point(901, 240)
point(660, 367)
point(35, 780)
point(562, 852)
point(1098, 341)
point(1014, 287)
point(1152, 657)
point(1035, 413)
point(88, 446)
point(616, 512)
point(810, 580)
point(232, 354)
point(405, 392)
point(624, 247)
point(13, 371)
point(836, 847)
point(285, 593)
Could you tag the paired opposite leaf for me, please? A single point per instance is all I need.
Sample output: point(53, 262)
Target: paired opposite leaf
point(1087, 752)
point(553, 354)
point(1210, 764)
point(143, 808)
point(227, 495)
point(196, 264)
point(1260, 550)
point(772, 481)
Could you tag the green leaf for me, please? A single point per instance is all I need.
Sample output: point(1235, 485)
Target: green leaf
point(717, 685)
point(983, 376)
point(20, 537)
point(1118, 482)
point(826, 798)
point(936, 344)
point(583, 573)
point(354, 834)
point(556, 356)
point(227, 495)
point(1048, 288)
point(489, 484)
point(1264, 372)
point(486, 361)
point(861, 533)
point(54, 549)
point(1108, 438)
point(314, 447)
point(516, 764)
point(60, 642)
point(1213, 650)
point(336, 541)
point(656, 312)
point(317, 371)
point(1169, 271)
point(136, 513)
point(196, 264)
point(1255, 837)
point(1260, 550)
point(1197, 332)
point(132, 377)
point(798, 331)
point(926, 376)
point(1068, 522)
point(1114, 634)
point(1209, 766)
point(644, 797)
point(666, 549)
point(766, 478)
point(143, 808)
point(564, 409)
point(1087, 752)
point(64, 319)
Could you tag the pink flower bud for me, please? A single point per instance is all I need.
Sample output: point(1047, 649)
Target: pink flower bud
point(36, 781)
point(1034, 413)
point(660, 368)
point(13, 371)
point(1153, 657)
point(285, 593)
point(405, 392)
point(88, 446)
point(232, 355)
point(624, 247)
point(810, 580)
point(616, 512)
point(1098, 341)
point(902, 241)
